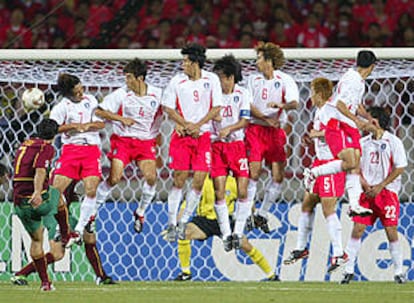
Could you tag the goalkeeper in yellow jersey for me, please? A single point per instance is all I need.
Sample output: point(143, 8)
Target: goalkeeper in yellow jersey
point(204, 225)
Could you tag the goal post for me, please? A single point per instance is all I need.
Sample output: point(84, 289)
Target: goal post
point(390, 85)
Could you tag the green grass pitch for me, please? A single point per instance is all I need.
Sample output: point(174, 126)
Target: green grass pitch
point(200, 292)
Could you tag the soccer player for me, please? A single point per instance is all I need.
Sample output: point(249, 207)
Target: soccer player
point(382, 163)
point(229, 151)
point(342, 133)
point(136, 114)
point(327, 188)
point(191, 99)
point(33, 198)
point(274, 93)
point(80, 157)
point(57, 250)
point(205, 225)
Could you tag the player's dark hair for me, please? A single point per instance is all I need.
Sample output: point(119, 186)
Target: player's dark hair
point(136, 67)
point(66, 83)
point(381, 115)
point(196, 53)
point(229, 66)
point(272, 52)
point(3, 170)
point(366, 58)
point(47, 129)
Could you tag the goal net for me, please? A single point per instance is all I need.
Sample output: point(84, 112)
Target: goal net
point(127, 256)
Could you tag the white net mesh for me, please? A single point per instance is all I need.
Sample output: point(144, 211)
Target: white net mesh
point(147, 256)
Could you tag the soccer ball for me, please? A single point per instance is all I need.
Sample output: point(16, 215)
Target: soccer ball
point(33, 98)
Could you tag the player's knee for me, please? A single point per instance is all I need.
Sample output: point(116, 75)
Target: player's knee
point(358, 231)
point(114, 180)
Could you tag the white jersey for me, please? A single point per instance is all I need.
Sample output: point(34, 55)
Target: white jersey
point(235, 107)
point(145, 110)
point(67, 112)
point(281, 89)
point(350, 90)
point(193, 99)
point(380, 157)
point(320, 121)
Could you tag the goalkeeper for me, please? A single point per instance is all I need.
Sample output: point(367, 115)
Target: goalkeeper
point(204, 225)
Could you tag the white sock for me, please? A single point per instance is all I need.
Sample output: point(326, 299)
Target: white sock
point(397, 258)
point(329, 168)
point(272, 193)
point(243, 212)
point(148, 193)
point(192, 199)
point(352, 249)
point(305, 225)
point(335, 232)
point(174, 198)
point(87, 209)
point(353, 188)
point(251, 190)
point(223, 217)
point(102, 192)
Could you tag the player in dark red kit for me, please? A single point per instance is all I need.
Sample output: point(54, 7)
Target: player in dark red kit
point(33, 198)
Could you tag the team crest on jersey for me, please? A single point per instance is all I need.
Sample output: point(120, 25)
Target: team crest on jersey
point(115, 151)
point(206, 85)
point(228, 192)
point(349, 139)
point(87, 105)
point(383, 146)
point(236, 99)
point(153, 104)
point(277, 85)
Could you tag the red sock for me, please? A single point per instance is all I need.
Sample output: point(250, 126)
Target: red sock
point(30, 268)
point(41, 268)
point(62, 217)
point(95, 260)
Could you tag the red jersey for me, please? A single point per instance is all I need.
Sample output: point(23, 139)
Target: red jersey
point(33, 153)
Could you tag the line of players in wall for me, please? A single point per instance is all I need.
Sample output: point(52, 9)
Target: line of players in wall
point(221, 128)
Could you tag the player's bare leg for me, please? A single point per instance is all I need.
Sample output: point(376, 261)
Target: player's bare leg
point(105, 186)
point(61, 182)
point(148, 168)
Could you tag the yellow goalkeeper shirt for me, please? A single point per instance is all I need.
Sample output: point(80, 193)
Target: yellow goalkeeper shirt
point(206, 206)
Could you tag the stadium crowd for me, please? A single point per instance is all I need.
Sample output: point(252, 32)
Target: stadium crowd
point(213, 23)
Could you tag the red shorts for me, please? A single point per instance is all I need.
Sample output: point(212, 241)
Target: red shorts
point(330, 185)
point(263, 142)
point(79, 161)
point(385, 206)
point(339, 135)
point(227, 156)
point(190, 153)
point(129, 149)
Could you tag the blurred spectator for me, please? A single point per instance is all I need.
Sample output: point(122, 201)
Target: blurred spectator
point(99, 13)
point(344, 35)
point(280, 35)
point(16, 35)
point(311, 35)
point(246, 40)
point(29, 7)
point(408, 37)
point(224, 37)
point(404, 22)
point(374, 36)
point(196, 32)
point(4, 13)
